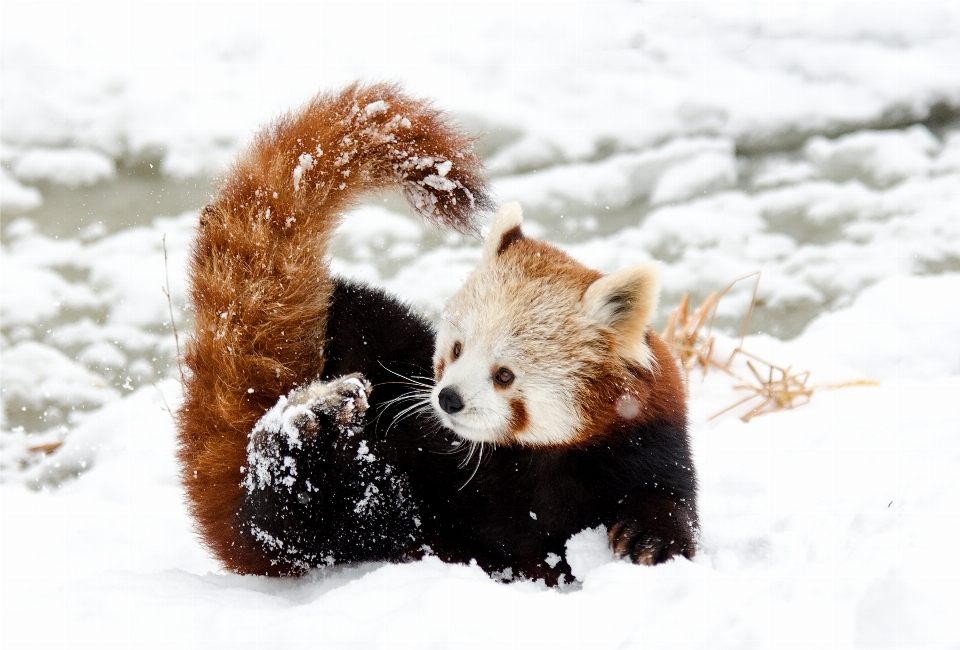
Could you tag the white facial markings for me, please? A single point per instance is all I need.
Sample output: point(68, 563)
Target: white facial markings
point(511, 314)
point(545, 387)
point(552, 416)
point(485, 416)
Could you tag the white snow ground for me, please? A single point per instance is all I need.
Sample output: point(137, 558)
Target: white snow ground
point(817, 143)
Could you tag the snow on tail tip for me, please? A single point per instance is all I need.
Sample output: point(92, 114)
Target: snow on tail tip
point(433, 161)
point(362, 139)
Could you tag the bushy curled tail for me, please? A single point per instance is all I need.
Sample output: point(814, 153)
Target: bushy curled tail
point(259, 274)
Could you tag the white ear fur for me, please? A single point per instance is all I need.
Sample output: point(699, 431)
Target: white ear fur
point(625, 302)
point(508, 217)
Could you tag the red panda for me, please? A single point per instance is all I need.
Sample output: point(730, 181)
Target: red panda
point(326, 422)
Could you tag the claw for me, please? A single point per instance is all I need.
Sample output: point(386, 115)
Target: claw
point(343, 400)
point(628, 539)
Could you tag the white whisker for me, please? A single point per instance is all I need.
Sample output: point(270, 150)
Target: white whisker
point(410, 379)
point(418, 407)
point(479, 460)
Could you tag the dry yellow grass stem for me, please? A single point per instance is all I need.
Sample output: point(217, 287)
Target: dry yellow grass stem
point(46, 449)
point(685, 333)
point(690, 336)
point(779, 388)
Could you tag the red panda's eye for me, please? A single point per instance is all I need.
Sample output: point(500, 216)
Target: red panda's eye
point(503, 377)
point(457, 348)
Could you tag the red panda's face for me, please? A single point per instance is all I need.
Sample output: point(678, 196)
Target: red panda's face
point(523, 344)
point(497, 383)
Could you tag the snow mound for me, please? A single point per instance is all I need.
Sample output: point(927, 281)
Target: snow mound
point(879, 158)
point(708, 172)
point(14, 196)
point(71, 167)
point(588, 550)
point(900, 328)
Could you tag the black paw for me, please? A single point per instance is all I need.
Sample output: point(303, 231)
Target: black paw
point(299, 424)
point(644, 545)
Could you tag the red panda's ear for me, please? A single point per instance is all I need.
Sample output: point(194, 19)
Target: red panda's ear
point(504, 231)
point(625, 302)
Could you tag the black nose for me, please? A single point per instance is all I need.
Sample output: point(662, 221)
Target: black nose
point(450, 400)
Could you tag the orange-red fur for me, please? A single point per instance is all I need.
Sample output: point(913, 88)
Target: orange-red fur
point(259, 275)
point(659, 391)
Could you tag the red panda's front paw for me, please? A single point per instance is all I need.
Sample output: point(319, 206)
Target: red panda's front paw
point(644, 545)
point(342, 401)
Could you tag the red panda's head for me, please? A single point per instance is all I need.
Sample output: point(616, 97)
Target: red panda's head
point(538, 350)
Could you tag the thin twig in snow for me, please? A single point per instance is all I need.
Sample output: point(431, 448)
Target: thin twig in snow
point(173, 323)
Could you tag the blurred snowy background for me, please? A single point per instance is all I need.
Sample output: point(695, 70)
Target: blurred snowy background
point(817, 143)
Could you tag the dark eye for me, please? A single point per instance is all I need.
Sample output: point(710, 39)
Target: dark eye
point(503, 377)
point(457, 349)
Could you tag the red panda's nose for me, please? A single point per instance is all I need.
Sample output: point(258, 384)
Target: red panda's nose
point(450, 400)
